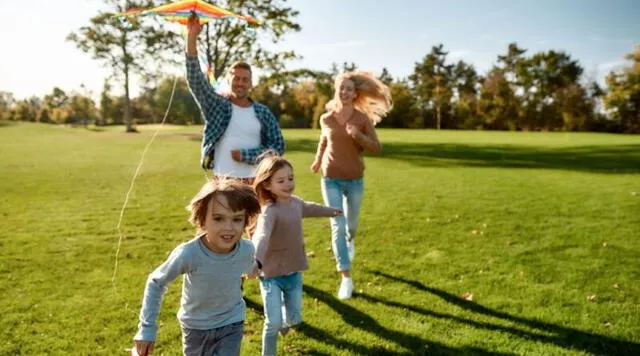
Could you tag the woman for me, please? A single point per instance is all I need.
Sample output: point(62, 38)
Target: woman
point(359, 102)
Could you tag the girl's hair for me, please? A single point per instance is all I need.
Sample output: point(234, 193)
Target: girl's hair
point(267, 167)
point(373, 96)
point(239, 196)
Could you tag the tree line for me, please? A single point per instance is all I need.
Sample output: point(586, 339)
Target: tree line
point(542, 91)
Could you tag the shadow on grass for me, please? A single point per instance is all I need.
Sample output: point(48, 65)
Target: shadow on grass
point(599, 159)
point(568, 338)
point(360, 320)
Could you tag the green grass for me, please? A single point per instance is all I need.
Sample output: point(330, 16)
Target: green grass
point(531, 224)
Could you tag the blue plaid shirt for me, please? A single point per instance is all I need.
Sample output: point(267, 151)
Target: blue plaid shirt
point(216, 111)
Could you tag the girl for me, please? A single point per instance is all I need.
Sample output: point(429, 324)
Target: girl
point(359, 102)
point(280, 253)
point(212, 310)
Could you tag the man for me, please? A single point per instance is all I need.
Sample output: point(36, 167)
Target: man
point(237, 130)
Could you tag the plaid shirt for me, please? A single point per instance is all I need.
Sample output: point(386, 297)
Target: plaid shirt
point(216, 111)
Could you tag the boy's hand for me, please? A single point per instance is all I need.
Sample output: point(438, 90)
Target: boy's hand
point(337, 212)
point(142, 348)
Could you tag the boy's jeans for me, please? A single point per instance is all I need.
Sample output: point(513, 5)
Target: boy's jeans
point(222, 341)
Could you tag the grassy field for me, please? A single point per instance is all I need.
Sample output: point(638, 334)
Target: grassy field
point(542, 229)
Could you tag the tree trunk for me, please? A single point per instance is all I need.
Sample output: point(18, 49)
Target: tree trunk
point(438, 102)
point(127, 101)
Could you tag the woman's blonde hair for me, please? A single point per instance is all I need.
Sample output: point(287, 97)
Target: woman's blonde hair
point(267, 167)
point(373, 96)
point(239, 196)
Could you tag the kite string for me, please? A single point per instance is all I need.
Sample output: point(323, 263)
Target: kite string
point(121, 235)
point(131, 185)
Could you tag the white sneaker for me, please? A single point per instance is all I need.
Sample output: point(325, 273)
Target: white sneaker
point(346, 288)
point(351, 248)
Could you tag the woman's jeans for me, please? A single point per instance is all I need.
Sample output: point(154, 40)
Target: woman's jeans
point(345, 194)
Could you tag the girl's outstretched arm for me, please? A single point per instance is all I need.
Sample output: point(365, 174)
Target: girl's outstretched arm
point(311, 209)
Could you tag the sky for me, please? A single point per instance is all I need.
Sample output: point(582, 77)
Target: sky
point(370, 33)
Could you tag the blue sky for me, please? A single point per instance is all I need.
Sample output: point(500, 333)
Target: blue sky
point(373, 34)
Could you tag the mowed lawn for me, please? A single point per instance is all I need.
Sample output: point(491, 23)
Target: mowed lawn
point(505, 243)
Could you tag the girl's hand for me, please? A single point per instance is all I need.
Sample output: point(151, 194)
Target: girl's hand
point(352, 130)
point(315, 167)
point(143, 348)
point(255, 270)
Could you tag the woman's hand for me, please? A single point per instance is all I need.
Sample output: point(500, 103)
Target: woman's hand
point(353, 131)
point(315, 166)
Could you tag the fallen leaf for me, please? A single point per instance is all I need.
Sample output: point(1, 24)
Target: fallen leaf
point(607, 324)
point(484, 225)
point(467, 296)
point(604, 244)
point(311, 254)
point(475, 232)
point(634, 193)
point(616, 286)
point(591, 298)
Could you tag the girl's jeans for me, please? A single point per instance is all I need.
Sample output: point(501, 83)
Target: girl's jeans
point(282, 299)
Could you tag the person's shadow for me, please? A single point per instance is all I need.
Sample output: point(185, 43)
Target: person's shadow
point(553, 334)
point(355, 318)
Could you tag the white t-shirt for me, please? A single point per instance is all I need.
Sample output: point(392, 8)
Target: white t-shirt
point(243, 132)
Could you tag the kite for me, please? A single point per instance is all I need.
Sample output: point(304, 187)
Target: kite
point(180, 12)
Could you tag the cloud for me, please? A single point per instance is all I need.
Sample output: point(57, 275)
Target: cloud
point(598, 38)
point(459, 54)
point(334, 45)
point(612, 65)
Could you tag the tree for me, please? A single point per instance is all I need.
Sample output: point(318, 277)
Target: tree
point(405, 112)
point(385, 76)
point(226, 41)
point(623, 97)
point(465, 92)
point(27, 109)
point(184, 110)
point(123, 45)
point(7, 101)
point(498, 106)
point(106, 113)
point(55, 106)
point(432, 83)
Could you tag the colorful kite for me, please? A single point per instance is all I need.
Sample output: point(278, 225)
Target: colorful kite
point(180, 12)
